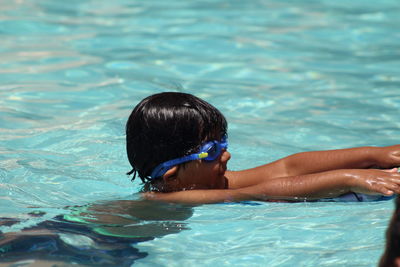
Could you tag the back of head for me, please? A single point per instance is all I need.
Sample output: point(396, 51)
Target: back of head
point(391, 256)
point(169, 125)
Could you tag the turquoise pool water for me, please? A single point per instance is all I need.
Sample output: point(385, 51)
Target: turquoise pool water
point(290, 76)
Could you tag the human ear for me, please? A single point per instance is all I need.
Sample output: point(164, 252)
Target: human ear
point(170, 174)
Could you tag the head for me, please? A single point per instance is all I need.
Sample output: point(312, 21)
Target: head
point(391, 256)
point(171, 125)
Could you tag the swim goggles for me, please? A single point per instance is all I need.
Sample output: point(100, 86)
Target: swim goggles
point(210, 151)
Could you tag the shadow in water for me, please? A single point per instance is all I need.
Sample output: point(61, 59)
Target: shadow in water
point(100, 234)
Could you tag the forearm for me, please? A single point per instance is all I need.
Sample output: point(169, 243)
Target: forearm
point(313, 186)
point(320, 161)
point(327, 184)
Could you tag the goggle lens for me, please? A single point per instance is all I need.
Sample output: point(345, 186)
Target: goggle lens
point(213, 152)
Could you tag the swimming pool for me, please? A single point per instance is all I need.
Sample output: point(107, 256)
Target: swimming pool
point(290, 76)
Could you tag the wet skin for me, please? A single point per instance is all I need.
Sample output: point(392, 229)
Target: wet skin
point(302, 176)
point(199, 174)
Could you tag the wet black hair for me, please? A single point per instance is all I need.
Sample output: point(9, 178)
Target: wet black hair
point(392, 250)
point(169, 125)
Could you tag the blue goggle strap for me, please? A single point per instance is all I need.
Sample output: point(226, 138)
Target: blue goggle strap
point(164, 167)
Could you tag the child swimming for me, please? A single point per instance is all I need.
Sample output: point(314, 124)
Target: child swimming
point(177, 144)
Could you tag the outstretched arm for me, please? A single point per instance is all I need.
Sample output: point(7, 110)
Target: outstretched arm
point(313, 186)
point(318, 161)
point(351, 158)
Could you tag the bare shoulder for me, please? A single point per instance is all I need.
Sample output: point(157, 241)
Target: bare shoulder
point(243, 178)
point(256, 175)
